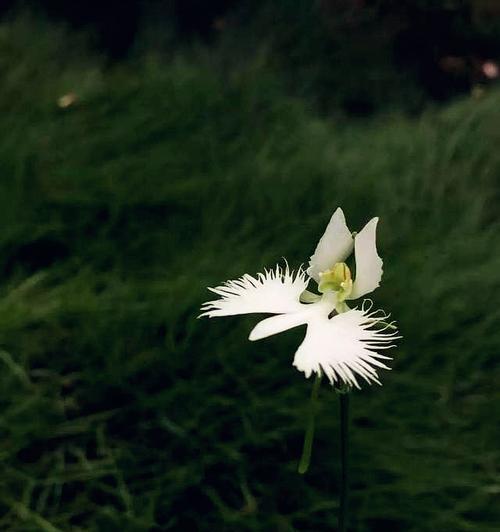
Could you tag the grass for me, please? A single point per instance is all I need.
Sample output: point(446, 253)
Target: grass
point(121, 411)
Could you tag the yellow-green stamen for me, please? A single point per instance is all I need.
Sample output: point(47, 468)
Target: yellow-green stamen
point(337, 279)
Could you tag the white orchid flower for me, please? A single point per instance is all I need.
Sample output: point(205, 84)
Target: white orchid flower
point(340, 342)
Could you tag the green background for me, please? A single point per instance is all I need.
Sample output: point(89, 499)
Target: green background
point(120, 410)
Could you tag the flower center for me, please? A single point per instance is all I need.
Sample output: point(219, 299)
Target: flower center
point(337, 279)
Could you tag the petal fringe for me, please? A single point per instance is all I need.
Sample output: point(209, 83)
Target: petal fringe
point(345, 347)
point(275, 291)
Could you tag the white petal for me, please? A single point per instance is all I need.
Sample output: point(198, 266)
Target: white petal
point(334, 246)
point(277, 324)
point(275, 291)
point(344, 347)
point(368, 263)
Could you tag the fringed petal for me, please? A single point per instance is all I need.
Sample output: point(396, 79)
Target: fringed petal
point(344, 347)
point(275, 291)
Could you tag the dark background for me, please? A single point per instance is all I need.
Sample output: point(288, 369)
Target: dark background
point(420, 49)
point(151, 149)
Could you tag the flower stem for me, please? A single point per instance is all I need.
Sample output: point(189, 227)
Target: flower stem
point(309, 435)
point(344, 448)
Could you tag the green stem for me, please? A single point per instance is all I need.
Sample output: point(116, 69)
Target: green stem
point(344, 448)
point(309, 435)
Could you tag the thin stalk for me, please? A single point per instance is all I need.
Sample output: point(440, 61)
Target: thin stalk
point(344, 451)
point(311, 420)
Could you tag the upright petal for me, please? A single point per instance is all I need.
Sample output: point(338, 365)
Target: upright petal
point(334, 246)
point(368, 263)
point(344, 347)
point(274, 291)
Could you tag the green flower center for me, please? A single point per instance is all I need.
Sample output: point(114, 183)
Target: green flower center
point(337, 279)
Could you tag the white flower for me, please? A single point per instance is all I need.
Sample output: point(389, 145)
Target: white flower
point(340, 342)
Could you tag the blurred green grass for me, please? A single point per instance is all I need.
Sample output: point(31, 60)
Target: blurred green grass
point(120, 410)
